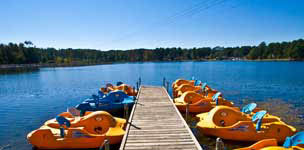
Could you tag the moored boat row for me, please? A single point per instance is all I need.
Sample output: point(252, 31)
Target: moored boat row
point(89, 124)
point(219, 117)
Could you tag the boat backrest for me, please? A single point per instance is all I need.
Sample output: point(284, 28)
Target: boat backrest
point(62, 121)
point(249, 108)
point(192, 78)
point(294, 140)
point(197, 82)
point(204, 86)
point(258, 117)
point(119, 83)
point(216, 96)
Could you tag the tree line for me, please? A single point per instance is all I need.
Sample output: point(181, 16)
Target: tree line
point(27, 53)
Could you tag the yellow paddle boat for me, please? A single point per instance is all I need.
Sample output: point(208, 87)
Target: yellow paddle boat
point(295, 142)
point(202, 89)
point(89, 131)
point(197, 103)
point(247, 111)
point(228, 123)
point(129, 90)
point(179, 82)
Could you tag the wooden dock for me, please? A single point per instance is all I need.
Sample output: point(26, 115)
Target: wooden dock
point(155, 123)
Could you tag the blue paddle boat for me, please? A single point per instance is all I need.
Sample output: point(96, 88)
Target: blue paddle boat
point(96, 97)
point(113, 102)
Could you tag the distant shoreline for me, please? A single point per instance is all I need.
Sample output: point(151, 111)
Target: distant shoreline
point(15, 68)
point(272, 60)
point(32, 66)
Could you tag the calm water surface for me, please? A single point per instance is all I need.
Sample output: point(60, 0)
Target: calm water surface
point(27, 100)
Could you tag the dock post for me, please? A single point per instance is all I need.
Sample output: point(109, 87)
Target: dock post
point(126, 111)
point(139, 81)
point(106, 145)
point(219, 144)
point(164, 82)
point(187, 112)
point(137, 86)
point(133, 88)
point(167, 86)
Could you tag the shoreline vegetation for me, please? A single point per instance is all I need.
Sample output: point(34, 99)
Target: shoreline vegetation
point(16, 66)
point(30, 67)
point(26, 55)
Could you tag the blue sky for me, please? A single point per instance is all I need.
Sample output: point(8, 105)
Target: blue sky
point(128, 24)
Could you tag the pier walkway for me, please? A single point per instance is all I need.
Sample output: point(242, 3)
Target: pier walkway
point(155, 123)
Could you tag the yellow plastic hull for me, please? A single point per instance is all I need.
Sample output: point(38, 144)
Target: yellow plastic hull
point(243, 132)
point(231, 124)
point(43, 139)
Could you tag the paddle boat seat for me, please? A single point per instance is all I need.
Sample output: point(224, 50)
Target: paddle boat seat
point(231, 124)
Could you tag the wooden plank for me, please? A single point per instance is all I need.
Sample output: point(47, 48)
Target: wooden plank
point(157, 124)
point(162, 148)
point(159, 140)
point(132, 138)
point(164, 126)
point(157, 135)
point(156, 132)
point(160, 144)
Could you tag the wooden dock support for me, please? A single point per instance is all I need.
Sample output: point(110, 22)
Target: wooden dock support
point(126, 111)
point(155, 123)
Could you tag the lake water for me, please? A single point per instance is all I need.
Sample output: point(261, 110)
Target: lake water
point(27, 100)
